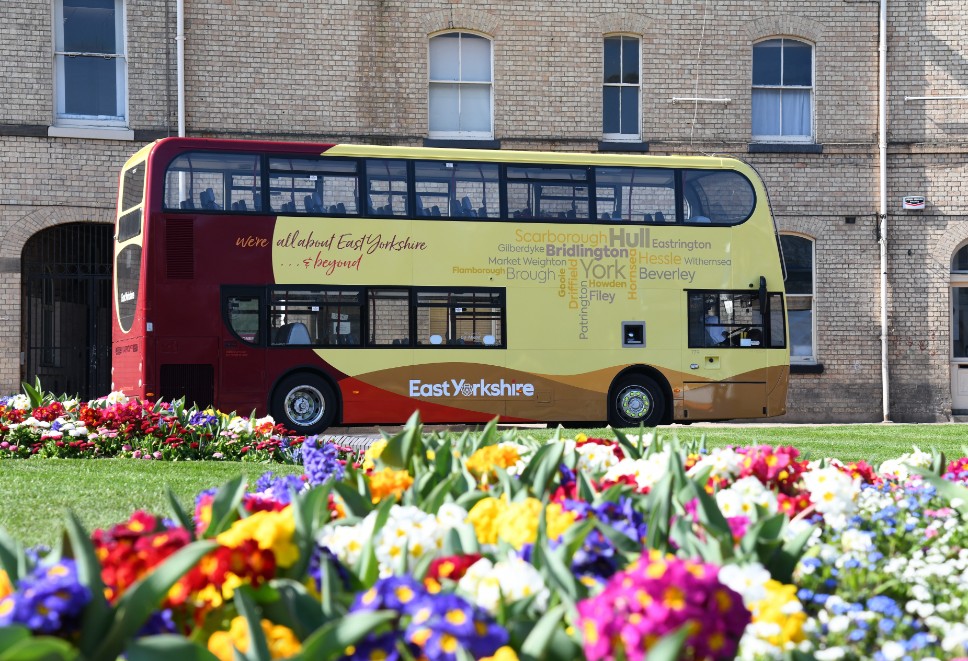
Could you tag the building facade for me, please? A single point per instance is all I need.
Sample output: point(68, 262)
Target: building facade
point(791, 87)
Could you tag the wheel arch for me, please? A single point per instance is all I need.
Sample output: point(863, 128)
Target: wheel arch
point(314, 371)
point(654, 374)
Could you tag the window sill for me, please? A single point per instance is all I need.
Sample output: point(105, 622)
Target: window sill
point(784, 148)
point(806, 368)
point(457, 143)
point(90, 132)
point(626, 147)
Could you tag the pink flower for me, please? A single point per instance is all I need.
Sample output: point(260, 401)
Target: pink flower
point(655, 597)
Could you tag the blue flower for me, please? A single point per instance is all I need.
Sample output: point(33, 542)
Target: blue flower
point(48, 600)
point(321, 461)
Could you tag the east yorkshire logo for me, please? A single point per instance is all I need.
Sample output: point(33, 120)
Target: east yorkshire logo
point(482, 388)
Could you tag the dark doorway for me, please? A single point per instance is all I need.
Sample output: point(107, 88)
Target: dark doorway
point(66, 329)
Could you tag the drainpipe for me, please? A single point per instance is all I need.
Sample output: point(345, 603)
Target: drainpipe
point(180, 41)
point(882, 211)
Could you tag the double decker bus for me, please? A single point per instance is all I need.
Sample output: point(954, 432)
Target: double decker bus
point(346, 284)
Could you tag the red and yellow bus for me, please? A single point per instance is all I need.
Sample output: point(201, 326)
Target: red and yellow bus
point(346, 284)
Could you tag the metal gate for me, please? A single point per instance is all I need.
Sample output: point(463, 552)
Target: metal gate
point(66, 328)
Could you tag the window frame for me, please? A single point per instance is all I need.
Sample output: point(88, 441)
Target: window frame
point(63, 119)
point(781, 138)
point(812, 358)
point(623, 137)
point(698, 335)
point(461, 135)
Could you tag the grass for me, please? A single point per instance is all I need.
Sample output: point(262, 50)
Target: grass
point(36, 492)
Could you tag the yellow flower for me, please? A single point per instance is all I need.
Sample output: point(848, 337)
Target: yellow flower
point(517, 523)
point(6, 587)
point(272, 530)
point(486, 459)
point(282, 640)
point(373, 453)
point(389, 482)
point(782, 608)
point(484, 515)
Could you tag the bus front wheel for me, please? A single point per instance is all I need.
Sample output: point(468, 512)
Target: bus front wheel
point(304, 403)
point(636, 400)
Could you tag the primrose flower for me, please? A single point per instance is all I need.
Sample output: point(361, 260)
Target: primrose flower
point(281, 640)
point(517, 523)
point(485, 583)
point(645, 472)
point(273, 531)
point(722, 463)
point(833, 493)
point(48, 600)
point(509, 456)
point(373, 453)
point(655, 596)
point(388, 482)
point(744, 496)
point(900, 468)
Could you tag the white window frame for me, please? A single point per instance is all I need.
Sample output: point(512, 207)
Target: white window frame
point(623, 137)
point(811, 297)
point(462, 135)
point(805, 139)
point(66, 122)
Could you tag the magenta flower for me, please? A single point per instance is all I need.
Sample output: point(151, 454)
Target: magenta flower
point(654, 597)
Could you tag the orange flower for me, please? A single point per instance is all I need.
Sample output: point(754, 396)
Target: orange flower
point(282, 641)
point(389, 482)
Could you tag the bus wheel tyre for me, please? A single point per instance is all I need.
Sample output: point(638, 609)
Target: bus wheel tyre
point(636, 400)
point(304, 403)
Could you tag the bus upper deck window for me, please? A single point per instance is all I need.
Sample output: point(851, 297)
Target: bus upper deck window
point(214, 181)
point(717, 196)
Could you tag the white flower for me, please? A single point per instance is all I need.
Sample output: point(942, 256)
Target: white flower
point(595, 459)
point(829, 654)
point(856, 540)
point(21, 402)
point(646, 472)
point(899, 467)
point(743, 497)
point(346, 542)
point(485, 583)
point(725, 463)
point(833, 493)
point(748, 580)
point(408, 535)
point(892, 650)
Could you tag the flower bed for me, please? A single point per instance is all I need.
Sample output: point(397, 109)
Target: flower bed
point(495, 546)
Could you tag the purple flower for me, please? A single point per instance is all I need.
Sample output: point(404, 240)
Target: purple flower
point(201, 418)
point(321, 461)
point(48, 600)
point(278, 489)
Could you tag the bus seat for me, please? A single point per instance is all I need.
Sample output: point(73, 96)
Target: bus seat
point(647, 218)
point(659, 217)
point(482, 212)
point(207, 199)
point(187, 204)
point(605, 216)
point(243, 206)
point(292, 333)
point(699, 219)
point(341, 208)
point(309, 204)
point(318, 203)
point(435, 210)
point(465, 205)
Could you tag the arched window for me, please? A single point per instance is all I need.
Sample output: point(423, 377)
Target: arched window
point(620, 88)
point(959, 263)
point(798, 256)
point(783, 90)
point(460, 86)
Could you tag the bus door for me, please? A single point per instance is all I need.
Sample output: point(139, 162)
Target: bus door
point(727, 364)
point(242, 353)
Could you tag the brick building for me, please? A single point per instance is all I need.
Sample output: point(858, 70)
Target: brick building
point(792, 87)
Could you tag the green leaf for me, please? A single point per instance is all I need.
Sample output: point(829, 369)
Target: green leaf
point(12, 557)
point(784, 561)
point(179, 512)
point(295, 607)
point(401, 447)
point(42, 648)
point(225, 506)
point(537, 641)
point(331, 641)
point(543, 467)
point(585, 490)
point(98, 615)
point(368, 568)
point(258, 645)
point(438, 496)
point(166, 647)
point(444, 458)
point(308, 510)
point(669, 647)
point(356, 505)
point(631, 450)
point(11, 634)
point(660, 514)
point(142, 599)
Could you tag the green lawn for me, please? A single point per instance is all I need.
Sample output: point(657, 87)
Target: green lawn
point(36, 492)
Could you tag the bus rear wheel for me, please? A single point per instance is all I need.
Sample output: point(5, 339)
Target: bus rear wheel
point(636, 400)
point(304, 403)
